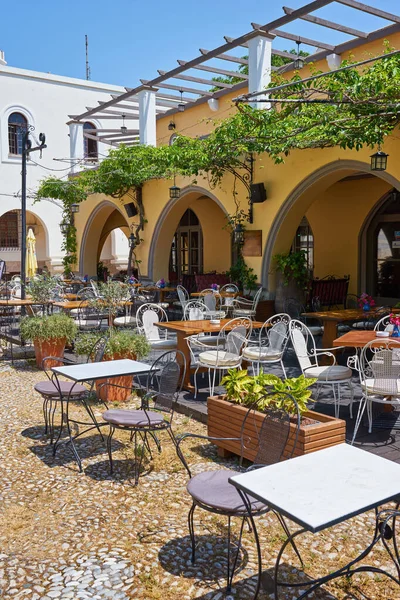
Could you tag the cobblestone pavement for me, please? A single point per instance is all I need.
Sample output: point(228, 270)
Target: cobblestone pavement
point(71, 535)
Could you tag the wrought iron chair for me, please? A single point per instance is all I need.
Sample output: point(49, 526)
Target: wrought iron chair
point(271, 438)
point(379, 370)
point(183, 296)
point(213, 302)
point(295, 309)
point(90, 316)
point(85, 293)
point(195, 310)
point(308, 356)
point(271, 344)
point(242, 307)
point(147, 316)
point(370, 320)
point(162, 390)
point(384, 324)
point(227, 354)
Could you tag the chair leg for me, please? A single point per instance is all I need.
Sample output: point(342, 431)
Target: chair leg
point(229, 574)
point(360, 414)
point(369, 413)
point(195, 381)
point(283, 369)
point(109, 448)
point(335, 399)
point(191, 531)
point(350, 386)
point(230, 579)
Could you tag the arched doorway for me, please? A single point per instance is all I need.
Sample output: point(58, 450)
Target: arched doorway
point(381, 249)
point(104, 236)
point(211, 251)
point(10, 239)
point(186, 257)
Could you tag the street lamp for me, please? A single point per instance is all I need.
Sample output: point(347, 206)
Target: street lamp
point(132, 241)
point(132, 246)
point(379, 161)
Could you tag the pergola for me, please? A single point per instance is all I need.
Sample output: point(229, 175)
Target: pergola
point(172, 91)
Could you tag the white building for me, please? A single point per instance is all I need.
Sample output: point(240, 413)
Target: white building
point(44, 101)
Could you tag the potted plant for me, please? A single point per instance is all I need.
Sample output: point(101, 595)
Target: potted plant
point(366, 302)
point(242, 275)
point(293, 277)
point(49, 335)
point(226, 414)
point(119, 344)
point(41, 288)
point(112, 296)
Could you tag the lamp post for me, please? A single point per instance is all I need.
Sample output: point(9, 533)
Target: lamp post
point(26, 150)
point(132, 246)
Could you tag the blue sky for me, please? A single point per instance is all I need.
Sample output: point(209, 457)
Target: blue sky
point(131, 39)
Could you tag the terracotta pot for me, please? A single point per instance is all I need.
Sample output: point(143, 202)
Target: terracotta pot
point(107, 393)
point(43, 348)
point(283, 292)
point(225, 420)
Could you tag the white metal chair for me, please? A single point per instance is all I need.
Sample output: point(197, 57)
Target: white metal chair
point(271, 344)
point(127, 319)
point(227, 354)
point(227, 301)
point(246, 308)
point(183, 296)
point(147, 316)
point(195, 310)
point(308, 356)
point(212, 300)
point(384, 324)
point(379, 369)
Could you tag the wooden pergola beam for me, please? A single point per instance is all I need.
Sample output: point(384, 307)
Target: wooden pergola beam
point(328, 24)
point(377, 12)
point(200, 80)
point(101, 131)
point(178, 88)
point(228, 57)
point(218, 71)
point(298, 38)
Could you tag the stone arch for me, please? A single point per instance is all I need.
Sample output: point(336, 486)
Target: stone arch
point(212, 216)
point(106, 217)
point(301, 198)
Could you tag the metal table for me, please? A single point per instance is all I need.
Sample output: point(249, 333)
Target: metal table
point(90, 372)
point(322, 489)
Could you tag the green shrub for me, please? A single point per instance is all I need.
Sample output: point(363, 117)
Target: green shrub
point(118, 343)
point(53, 327)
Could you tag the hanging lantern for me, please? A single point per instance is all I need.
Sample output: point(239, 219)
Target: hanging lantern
point(124, 128)
point(379, 161)
point(64, 226)
point(299, 62)
point(174, 191)
point(171, 126)
point(181, 106)
point(74, 208)
point(238, 234)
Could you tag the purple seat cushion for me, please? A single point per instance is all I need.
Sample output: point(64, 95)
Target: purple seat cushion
point(213, 489)
point(48, 388)
point(133, 418)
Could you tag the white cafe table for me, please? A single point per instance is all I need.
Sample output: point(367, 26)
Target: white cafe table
point(322, 489)
point(86, 372)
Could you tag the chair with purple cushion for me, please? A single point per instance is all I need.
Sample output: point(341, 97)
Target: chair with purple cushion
point(53, 390)
point(164, 383)
point(211, 490)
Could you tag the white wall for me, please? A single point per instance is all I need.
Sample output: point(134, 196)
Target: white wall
point(47, 101)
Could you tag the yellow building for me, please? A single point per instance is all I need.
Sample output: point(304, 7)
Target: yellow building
point(327, 201)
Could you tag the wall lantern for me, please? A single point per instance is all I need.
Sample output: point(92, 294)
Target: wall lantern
point(64, 226)
point(238, 235)
point(171, 126)
point(213, 104)
point(74, 208)
point(132, 241)
point(379, 161)
point(299, 62)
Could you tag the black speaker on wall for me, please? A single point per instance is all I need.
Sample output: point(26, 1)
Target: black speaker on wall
point(131, 210)
point(258, 193)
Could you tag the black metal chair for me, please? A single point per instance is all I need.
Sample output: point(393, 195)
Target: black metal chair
point(271, 441)
point(164, 383)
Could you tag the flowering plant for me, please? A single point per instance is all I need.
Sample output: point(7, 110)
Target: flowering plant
point(365, 299)
point(161, 283)
point(394, 319)
point(215, 287)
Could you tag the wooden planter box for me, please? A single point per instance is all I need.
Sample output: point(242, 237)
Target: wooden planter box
point(225, 420)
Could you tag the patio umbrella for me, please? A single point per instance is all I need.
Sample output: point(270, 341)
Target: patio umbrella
point(31, 261)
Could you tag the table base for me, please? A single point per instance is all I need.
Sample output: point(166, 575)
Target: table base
point(385, 532)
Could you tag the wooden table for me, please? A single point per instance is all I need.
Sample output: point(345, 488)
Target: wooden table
point(358, 339)
point(184, 329)
point(331, 318)
point(70, 304)
point(222, 294)
point(20, 302)
point(154, 288)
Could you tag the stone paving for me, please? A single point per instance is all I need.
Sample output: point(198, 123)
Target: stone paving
point(71, 535)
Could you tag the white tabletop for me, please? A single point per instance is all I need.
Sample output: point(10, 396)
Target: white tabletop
point(99, 370)
point(323, 488)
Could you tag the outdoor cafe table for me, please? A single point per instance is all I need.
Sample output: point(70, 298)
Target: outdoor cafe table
point(358, 339)
point(331, 318)
point(222, 294)
point(320, 490)
point(155, 288)
point(91, 372)
point(184, 329)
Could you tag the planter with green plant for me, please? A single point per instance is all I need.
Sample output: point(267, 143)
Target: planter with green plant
point(226, 414)
point(119, 344)
point(41, 288)
point(49, 335)
point(293, 278)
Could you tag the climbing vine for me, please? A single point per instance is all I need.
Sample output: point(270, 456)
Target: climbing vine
point(350, 109)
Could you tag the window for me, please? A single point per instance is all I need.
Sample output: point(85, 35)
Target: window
point(17, 125)
point(9, 230)
point(304, 240)
point(89, 146)
point(186, 256)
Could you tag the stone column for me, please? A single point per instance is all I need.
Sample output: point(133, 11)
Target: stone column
point(260, 66)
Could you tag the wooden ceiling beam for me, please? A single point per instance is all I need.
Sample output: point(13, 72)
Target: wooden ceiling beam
point(377, 12)
point(218, 71)
point(179, 88)
point(200, 80)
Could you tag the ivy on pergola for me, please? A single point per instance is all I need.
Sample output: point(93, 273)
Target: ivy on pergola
point(350, 108)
